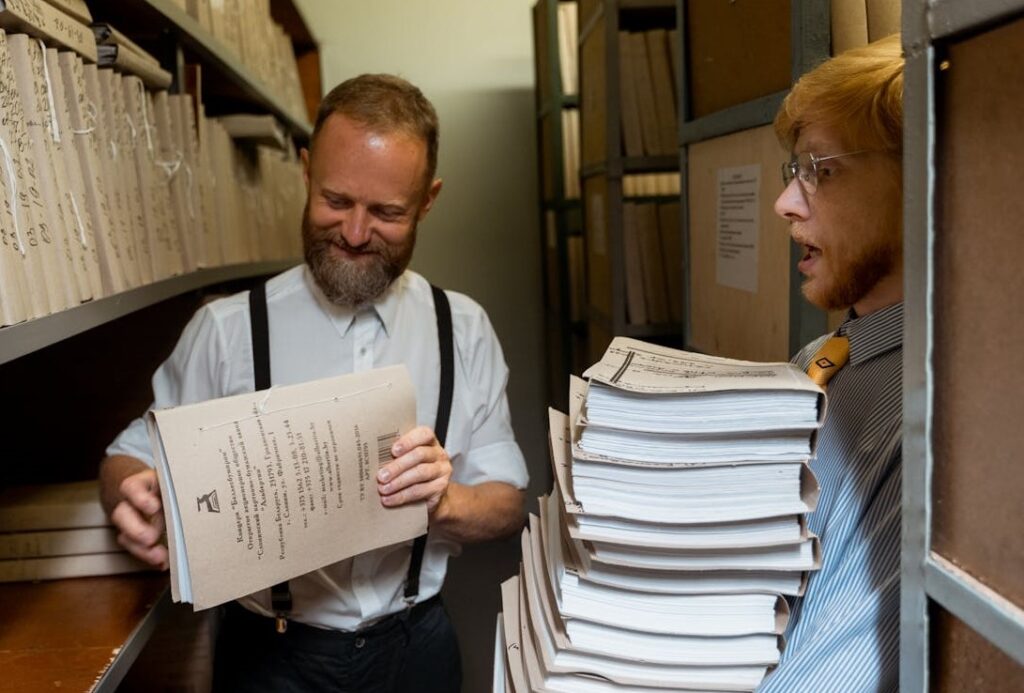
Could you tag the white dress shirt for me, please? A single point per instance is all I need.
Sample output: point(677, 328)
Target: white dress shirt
point(311, 338)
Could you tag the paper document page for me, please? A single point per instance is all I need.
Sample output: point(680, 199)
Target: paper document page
point(263, 487)
point(637, 366)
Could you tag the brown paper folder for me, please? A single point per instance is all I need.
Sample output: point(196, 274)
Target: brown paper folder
point(40, 20)
point(883, 18)
point(67, 151)
point(646, 98)
point(84, 121)
point(19, 300)
point(636, 306)
point(76, 9)
point(123, 59)
point(671, 235)
point(632, 134)
point(664, 89)
point(849, 24)
point(655, 289)
point(27, 60)
point(120, 234)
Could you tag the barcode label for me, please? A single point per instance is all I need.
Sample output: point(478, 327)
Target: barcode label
point(384, 444)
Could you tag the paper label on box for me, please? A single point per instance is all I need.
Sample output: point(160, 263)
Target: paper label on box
point(738, 226)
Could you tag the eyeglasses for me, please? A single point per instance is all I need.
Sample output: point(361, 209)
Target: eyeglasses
point(805, 168)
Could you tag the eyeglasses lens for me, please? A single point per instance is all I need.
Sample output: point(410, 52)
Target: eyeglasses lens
point(807, 172)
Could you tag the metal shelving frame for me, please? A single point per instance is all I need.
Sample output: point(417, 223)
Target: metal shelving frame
point(926, 576)
point(24, 338)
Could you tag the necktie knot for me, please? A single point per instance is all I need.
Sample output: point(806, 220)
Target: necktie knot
point(832, 356)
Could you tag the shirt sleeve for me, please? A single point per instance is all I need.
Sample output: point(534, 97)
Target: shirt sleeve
point(492, 454)
point(194, 372)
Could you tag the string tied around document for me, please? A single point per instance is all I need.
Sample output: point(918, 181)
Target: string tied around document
point(90, 118)
point(78, 220)
point(54, 126)
point(131, 126)
point(261, 406)
point(12, 184)
point(170, 167)
point(188, 188)
point(146, 125)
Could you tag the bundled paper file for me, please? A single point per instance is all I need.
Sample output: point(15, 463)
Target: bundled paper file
point(60, 530)
point(675, 528)
point(262, 487)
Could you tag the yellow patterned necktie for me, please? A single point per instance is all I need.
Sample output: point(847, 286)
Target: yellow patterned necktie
point(832, 356)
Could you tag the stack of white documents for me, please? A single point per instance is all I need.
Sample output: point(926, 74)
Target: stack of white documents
point(662, 557)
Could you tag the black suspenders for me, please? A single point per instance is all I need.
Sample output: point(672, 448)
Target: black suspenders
point(280, 594)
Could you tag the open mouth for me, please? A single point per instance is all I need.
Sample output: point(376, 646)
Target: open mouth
point(810, 257)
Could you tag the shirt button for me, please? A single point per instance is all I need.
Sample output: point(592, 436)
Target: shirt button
point(359, 643)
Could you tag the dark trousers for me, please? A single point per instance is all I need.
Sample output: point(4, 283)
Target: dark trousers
point(414, 652)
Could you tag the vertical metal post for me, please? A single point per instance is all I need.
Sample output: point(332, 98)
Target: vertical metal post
point(918, 235)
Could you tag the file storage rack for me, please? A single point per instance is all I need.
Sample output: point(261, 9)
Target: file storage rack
point(75, 378)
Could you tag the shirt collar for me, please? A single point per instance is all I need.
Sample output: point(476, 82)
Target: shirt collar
point(873, 334)
point(385, 308)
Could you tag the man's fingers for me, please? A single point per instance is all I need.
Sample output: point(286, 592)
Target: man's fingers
point(421, 435)
point(142, 490)
point(414, 493)
point(136, 527)
point(412, 468)
point(416, 456)
point(154, 555)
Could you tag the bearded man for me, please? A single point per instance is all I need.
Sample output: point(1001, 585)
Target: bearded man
point(373, 622)
point(843, 123)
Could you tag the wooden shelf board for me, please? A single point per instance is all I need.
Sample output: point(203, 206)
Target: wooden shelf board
point(74, 634)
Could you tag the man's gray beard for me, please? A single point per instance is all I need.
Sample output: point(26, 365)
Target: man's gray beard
point(352, 284)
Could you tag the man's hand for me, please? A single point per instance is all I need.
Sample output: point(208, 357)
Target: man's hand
point(131, 494)
point(421, 470)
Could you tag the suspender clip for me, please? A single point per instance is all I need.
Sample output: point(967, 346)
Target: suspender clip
point(281, 623)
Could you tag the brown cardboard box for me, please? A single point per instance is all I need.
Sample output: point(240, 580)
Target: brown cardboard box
point(737, 51)
point(728, 321)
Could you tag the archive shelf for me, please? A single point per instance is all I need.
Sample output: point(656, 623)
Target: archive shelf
point(77, 376)
point(162, 22)
point(604, 163)
point(560, 213)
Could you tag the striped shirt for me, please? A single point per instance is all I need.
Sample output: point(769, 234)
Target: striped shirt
point(843, 634)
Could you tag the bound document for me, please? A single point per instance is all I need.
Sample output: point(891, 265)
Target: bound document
point(262, 487)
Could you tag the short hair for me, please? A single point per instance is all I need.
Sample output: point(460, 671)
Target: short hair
point(858, 93)
point(386, 102)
